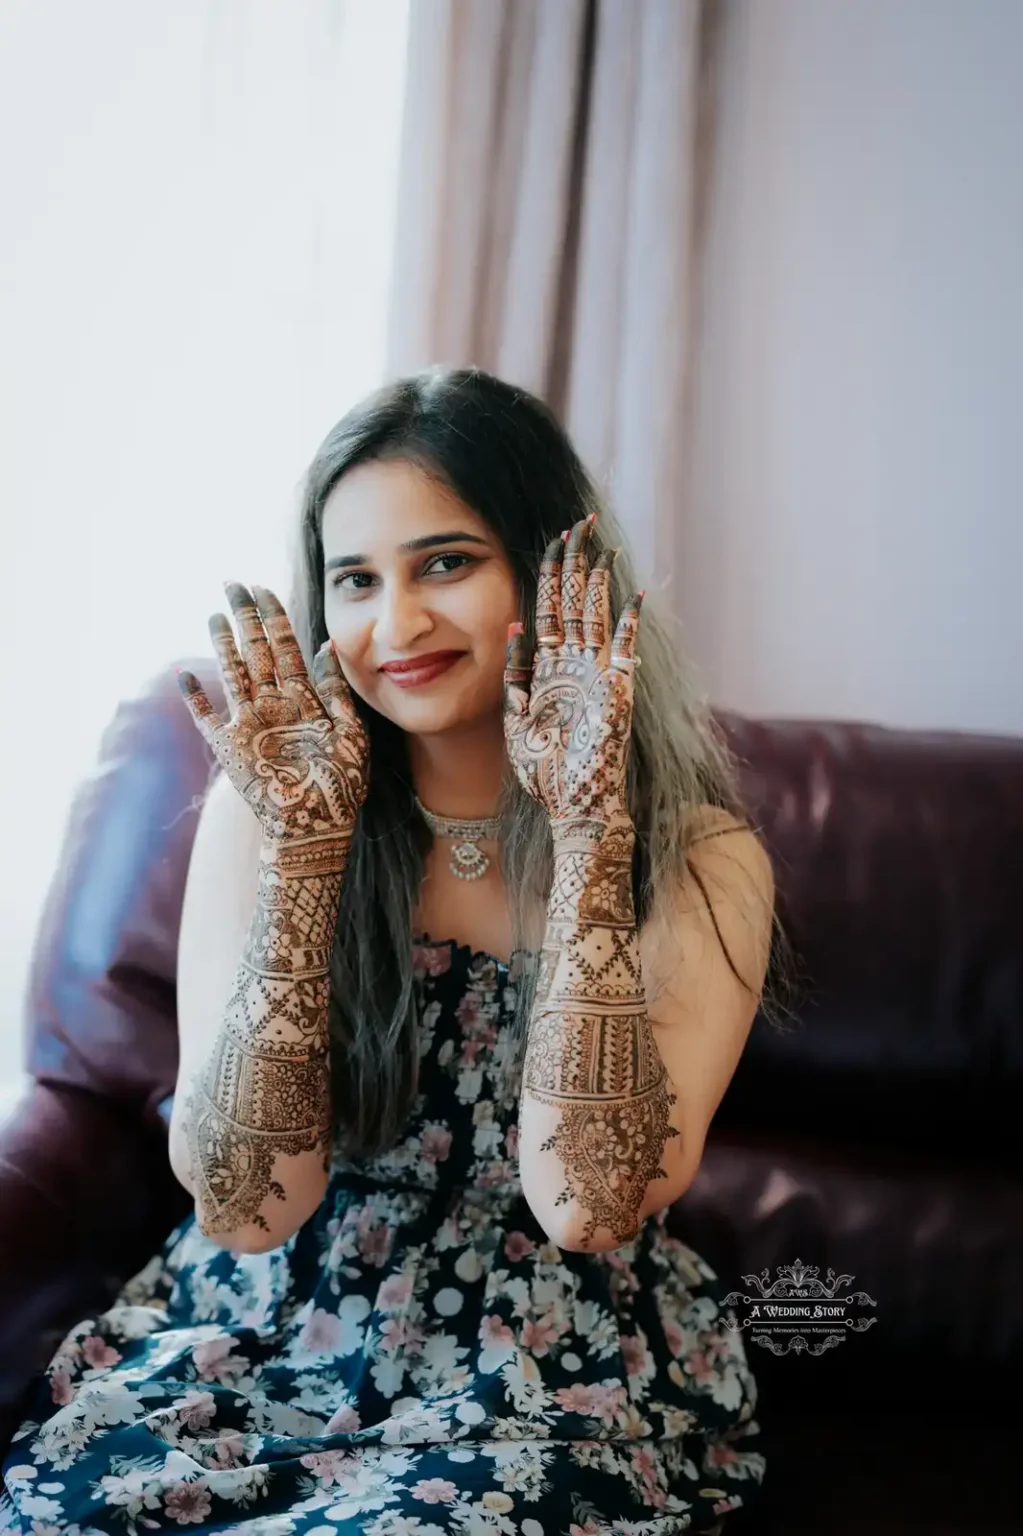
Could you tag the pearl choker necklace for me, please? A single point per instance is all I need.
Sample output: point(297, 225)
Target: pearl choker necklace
point(468, 861)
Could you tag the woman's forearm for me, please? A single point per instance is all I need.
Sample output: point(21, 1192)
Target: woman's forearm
point(595, 1092)
point(257, 1119)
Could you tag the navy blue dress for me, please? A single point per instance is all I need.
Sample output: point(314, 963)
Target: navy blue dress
point(419, 1358)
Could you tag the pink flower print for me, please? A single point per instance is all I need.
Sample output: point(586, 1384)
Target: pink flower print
point(673, 1336)
point(228, 1448)
point(436, 1144)
point(394, 1293)
point(196, 1410)
point(374, 1239)
point(593, 1400)
point(400, 1333)
point(98, 1352)
point(589, 1529)
point(187, 1503)
point(537, 1333)
point(322, 1332)
point(434, 1490)
point(511, 1142)
point(720, 1455)
point(328, 1467)
point(61, 1390)
point(643, 1463)
point(343, 1421)
point(578, 1398)
point(468, 1010)
point(494, 1330)
point(433, 959)
point(214, 1361)
point(517, 1245)
point(635, 1354)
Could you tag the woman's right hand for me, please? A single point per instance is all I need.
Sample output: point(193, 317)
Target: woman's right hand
point(297, 753)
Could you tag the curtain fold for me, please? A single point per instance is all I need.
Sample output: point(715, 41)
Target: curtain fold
point(548, 192)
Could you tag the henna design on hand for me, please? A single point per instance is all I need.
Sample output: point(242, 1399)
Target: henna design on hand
point(568, 717)
point(590, 1050)
point(264, 1090)
point(297, 754)
point(299, 757)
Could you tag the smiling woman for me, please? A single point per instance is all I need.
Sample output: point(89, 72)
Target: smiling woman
point(431, 1123)
point(430, 579)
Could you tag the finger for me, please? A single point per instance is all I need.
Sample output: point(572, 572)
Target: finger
point(233, 670)
point(287, 654)
point(332, 685)
point(255, 647)
point(623, 646)
point(517, 672)
point(597, 608)
point(573, 580)
point(548, 596)
point(284, 647)
point(201, 710)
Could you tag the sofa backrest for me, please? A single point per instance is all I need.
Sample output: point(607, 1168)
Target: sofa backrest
point(897, 857)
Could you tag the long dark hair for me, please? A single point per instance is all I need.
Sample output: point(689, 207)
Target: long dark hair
point(503, 452)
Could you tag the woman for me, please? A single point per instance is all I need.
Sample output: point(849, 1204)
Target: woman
point(480, 868)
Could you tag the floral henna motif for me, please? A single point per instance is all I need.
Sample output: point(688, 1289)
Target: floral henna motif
point(590, 1049)
point(264, 1091)
point(298, 754)
point(301, 766)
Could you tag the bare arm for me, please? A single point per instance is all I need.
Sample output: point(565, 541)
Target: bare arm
point(251, 1136)
point(596, 1099)
point(594, 1116)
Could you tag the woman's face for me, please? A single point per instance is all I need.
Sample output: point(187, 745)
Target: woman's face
point(410, 571)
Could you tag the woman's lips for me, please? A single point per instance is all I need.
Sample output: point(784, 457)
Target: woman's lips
point(417, 676)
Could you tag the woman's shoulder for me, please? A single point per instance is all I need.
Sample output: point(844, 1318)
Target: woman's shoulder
point(707, 820)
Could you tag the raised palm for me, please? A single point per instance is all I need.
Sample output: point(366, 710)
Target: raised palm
point(298, 753)
point(568, 713)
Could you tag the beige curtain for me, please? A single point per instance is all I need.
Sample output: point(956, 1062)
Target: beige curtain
point(549, 208)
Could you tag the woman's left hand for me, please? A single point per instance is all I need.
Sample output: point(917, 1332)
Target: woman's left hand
point(568, 715)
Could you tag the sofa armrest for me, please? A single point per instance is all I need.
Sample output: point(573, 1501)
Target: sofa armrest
point(86, 1197)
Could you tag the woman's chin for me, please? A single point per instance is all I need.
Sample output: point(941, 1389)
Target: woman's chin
point(426, 716)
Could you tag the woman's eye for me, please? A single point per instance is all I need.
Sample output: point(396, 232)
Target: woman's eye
point(465, 559)
point(337, 581)
point(358, 578)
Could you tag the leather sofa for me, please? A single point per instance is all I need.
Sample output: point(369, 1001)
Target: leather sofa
point(877, 1139)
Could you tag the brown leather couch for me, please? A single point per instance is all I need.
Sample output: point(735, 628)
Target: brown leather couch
point(881, 1136)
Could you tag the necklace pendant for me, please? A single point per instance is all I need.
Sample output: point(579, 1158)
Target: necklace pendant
point(468, 861)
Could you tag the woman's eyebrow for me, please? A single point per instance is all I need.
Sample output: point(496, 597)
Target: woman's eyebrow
point(426, 541)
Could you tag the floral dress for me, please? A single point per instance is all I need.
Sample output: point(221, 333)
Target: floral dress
point(418, 1358)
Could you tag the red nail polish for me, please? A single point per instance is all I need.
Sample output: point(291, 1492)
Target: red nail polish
point(642, 594)
point(564, 536)
point(516, 629)
point(592, 517)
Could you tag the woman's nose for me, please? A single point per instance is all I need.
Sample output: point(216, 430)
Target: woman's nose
point(402, 620)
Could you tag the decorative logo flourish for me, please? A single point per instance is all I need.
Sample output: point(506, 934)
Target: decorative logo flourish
point(798, 1303)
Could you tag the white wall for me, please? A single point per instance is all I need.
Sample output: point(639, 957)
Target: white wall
point(854, 545)
point(198, 204)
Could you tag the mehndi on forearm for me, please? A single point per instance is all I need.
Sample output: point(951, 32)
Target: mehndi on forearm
point(590, 1049)
point(264, 1090)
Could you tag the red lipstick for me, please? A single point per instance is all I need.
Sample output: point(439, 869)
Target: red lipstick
point(415, 670)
